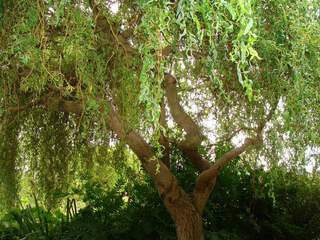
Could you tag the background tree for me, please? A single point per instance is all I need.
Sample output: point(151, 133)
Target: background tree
point(157, 75)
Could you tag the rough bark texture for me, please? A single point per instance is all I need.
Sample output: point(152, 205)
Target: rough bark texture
point(189, 146)
point(186, 217)
point(188, 223)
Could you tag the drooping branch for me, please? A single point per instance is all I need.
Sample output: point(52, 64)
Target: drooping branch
point(193, 138)
point(162, 176)
point(52, 102)
point(9, 139)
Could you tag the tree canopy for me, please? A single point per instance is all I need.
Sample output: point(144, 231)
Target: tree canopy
point(81, 77)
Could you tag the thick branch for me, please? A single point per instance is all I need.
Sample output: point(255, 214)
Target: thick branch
point(166, 183)
point(22, 108)
point(193, 137)
point(224, 160)
point(207, 179)
point(194, 156)
point(177, 112)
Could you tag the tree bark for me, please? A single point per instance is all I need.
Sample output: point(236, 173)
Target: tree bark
point(187, 218)
point(188, 224)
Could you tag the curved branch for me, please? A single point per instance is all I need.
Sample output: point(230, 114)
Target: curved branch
point(193, 139)
point(177, 112)
point(207, 179)
point(165, 181)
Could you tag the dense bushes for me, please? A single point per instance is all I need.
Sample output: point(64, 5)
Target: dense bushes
point(247, 204)
point(257, 205)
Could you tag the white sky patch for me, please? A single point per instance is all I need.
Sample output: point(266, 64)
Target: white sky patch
point(114, 7)
point(238, 139)
point(312, 154)
point(211, 124)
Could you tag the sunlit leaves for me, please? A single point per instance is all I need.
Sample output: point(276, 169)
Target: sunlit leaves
point(153, 27)
point(209, 24)
point(243, 45)
point(221, 50)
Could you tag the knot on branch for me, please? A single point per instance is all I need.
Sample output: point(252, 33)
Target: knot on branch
point(250, 141)
point(170, 79)
point(254, 141)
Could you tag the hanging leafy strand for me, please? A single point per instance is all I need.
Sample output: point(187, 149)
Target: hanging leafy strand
point(256, 54)
point(156, 16)
point(9, 165)
point(227, 24)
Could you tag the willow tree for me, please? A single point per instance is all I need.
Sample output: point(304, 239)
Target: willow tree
point(158, 76)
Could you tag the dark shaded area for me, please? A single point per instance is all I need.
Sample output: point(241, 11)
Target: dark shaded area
point(246, 204)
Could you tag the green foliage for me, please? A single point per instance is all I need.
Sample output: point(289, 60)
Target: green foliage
point(233, 61)
point(260, 51)
point(261, 207)
point(153, 24)
point(123, 213)
point(31, 223)
point(9, 176)
point(247, 204)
